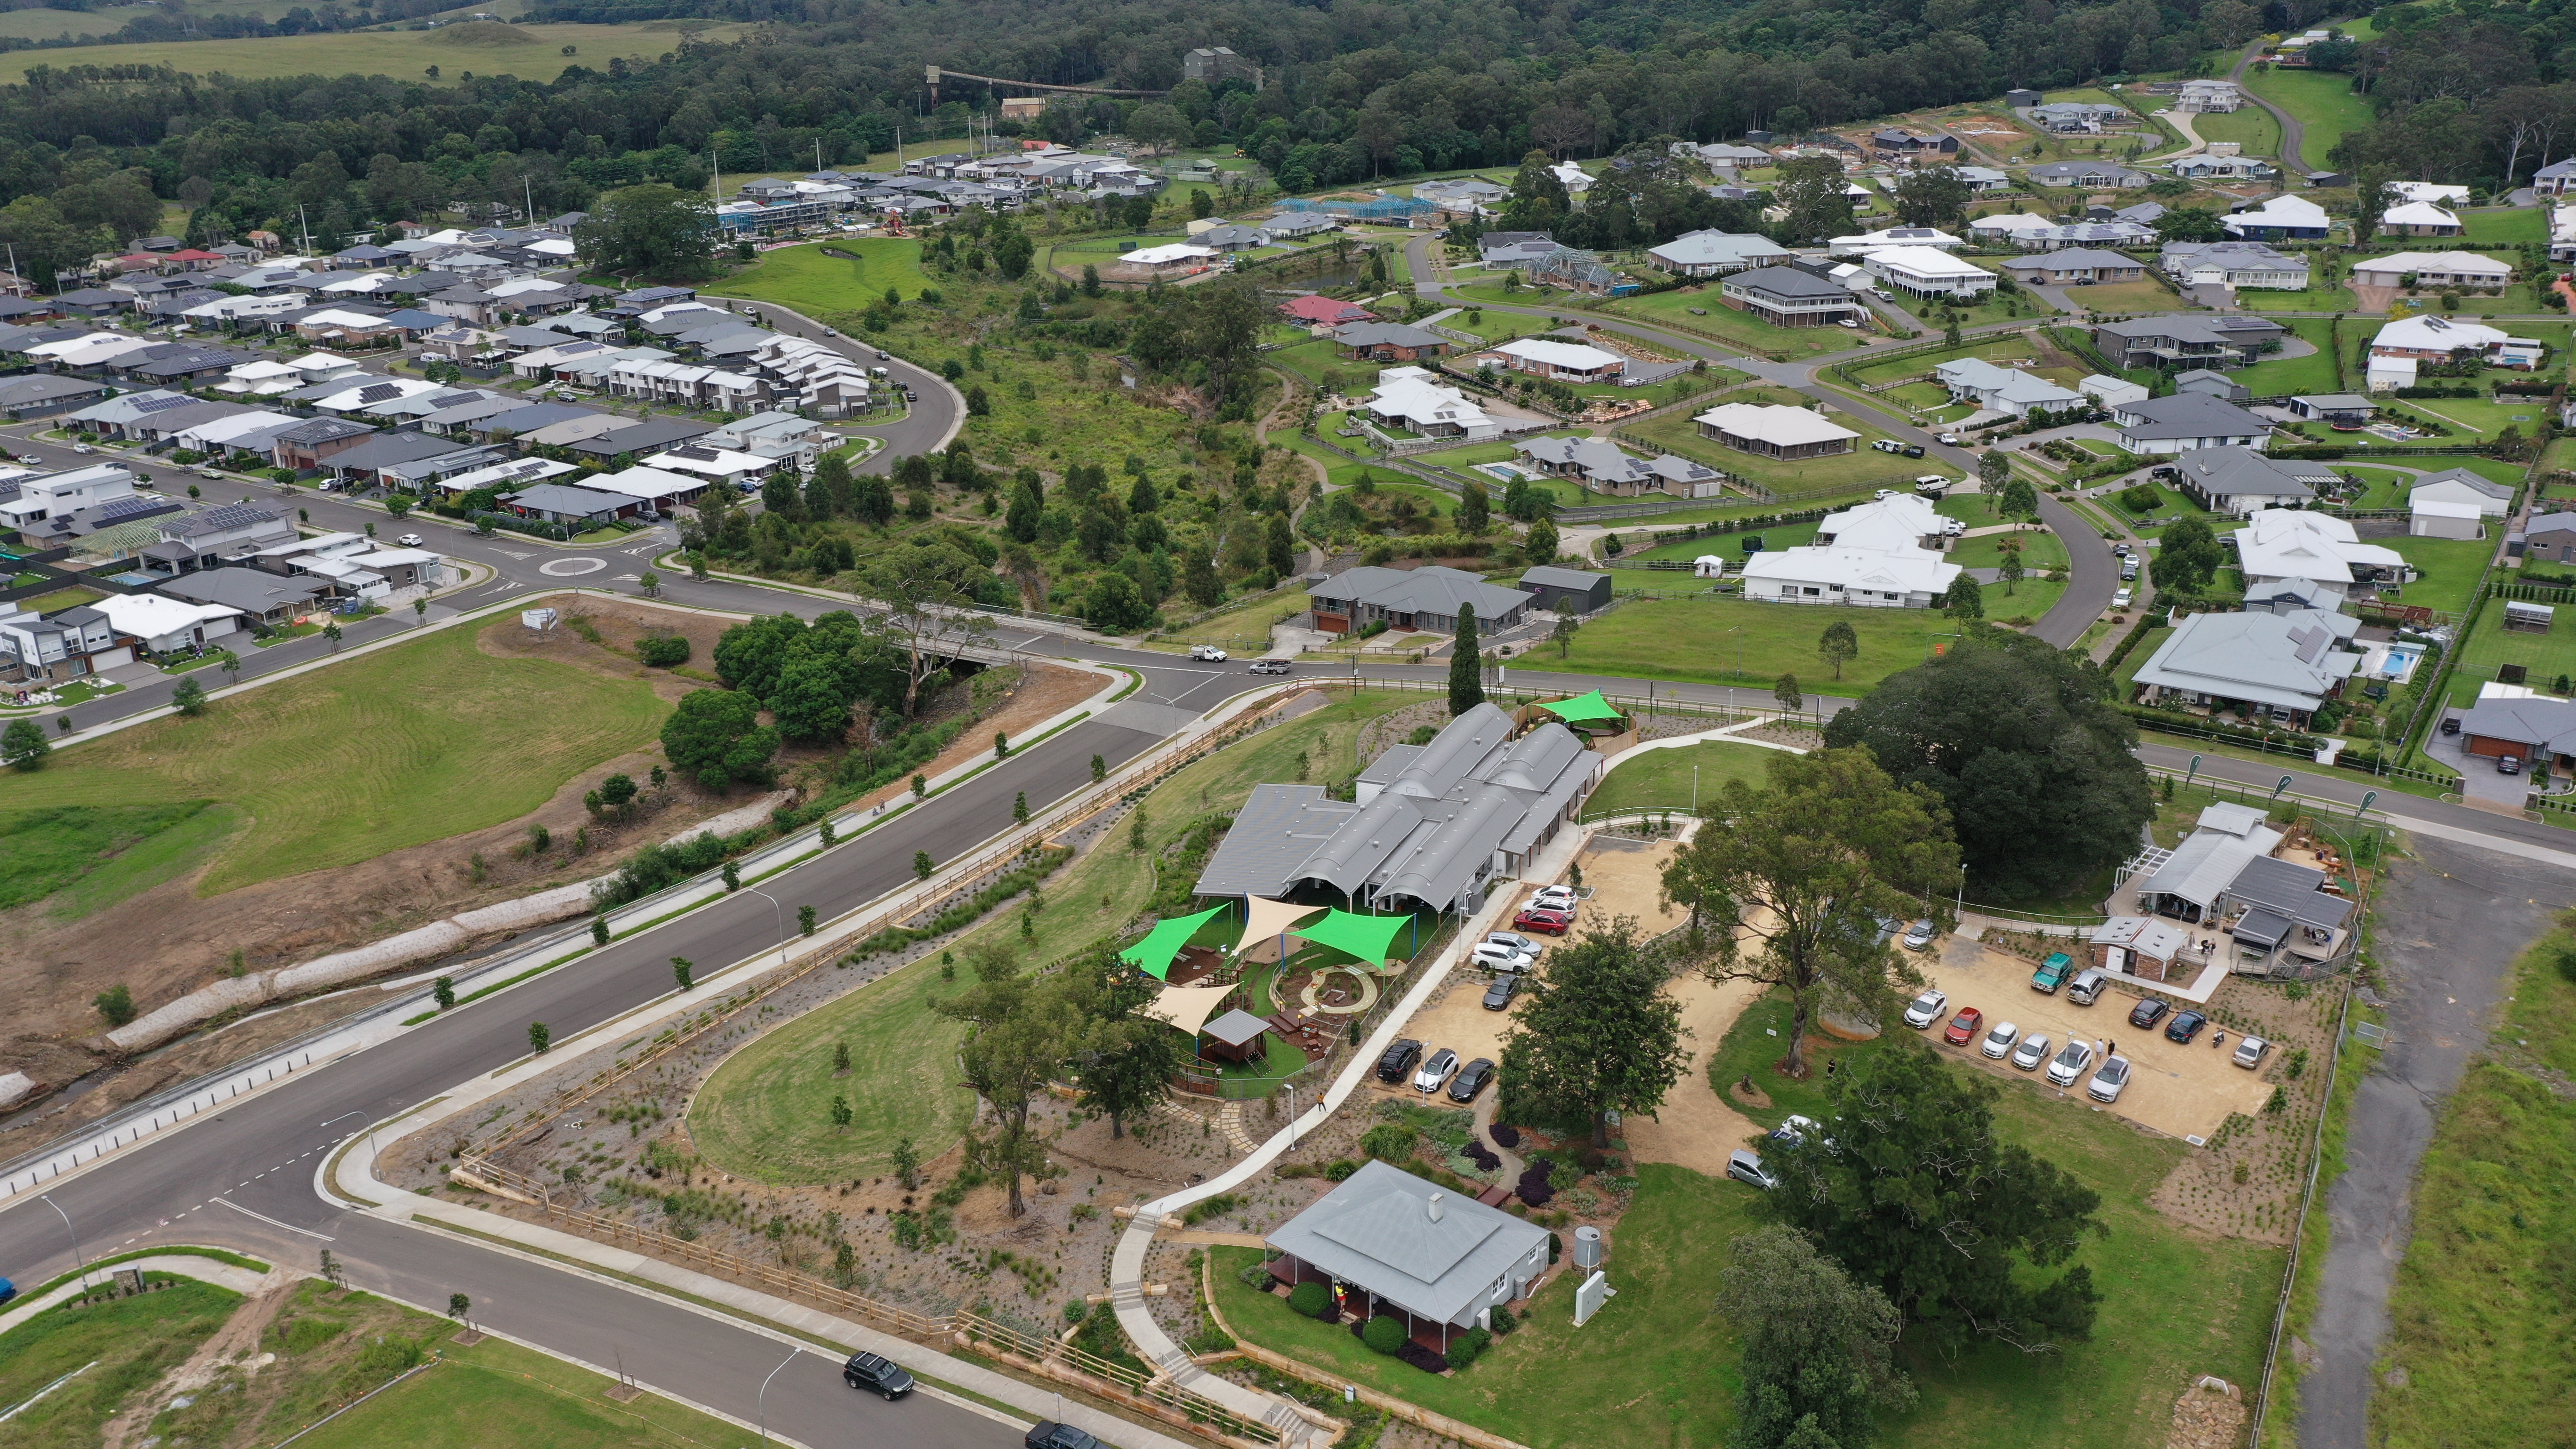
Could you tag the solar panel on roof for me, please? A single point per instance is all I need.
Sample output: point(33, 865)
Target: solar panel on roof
point(119, 507)
point(379, 392)
point(151, 405)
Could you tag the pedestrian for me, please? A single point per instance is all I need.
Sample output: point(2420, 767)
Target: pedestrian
point(2115, 1047)
point(2098, 1052)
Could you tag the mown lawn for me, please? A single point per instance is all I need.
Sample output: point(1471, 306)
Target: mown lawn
point(1651, 779)
point(2250, 126)
point(1697, 639)
point(1861, 469)
point(2545, 656)
point(2312, 299)
point(1730, 546)
point(2451, 567)
point(2291, 376)
point(819, 286)
point(2506, 227)
point(1992, 349)
point(403, 746)
point(1724, 323)
point(2322, 101)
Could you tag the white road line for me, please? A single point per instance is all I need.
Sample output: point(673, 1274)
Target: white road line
point(274, 1223)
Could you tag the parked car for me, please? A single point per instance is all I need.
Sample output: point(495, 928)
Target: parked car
point(1522, 944)
point(1398, 1060)
point(2147, 1013)
point(1546, 923)
point(83, 448)
point(2121, 598)
point(1926, 1009)
point(1465, 1086)
point(1998, 1042)
point(1048, 1434)
point(2508, 764)
point(1950, 439)
point(1745, 1165)
point(1920, 935)
point(1435, 1071)
point(1271, 666)
point(1207, 654)
point(2106, 1083)
point(2070, 1064)
point(1553, 898)
point(409, 540)
point(876, 1375)
point(1794, 1131)
point(31, 460)
point(2185, 1027)
point(1498, 997)
point(2051, 973)
point(1914, 450)
point(1505, 959)
point(2032, 1051)
point(2088, 986)
point(2249, 1052)
point(1888, 445)
point(1963, 1027)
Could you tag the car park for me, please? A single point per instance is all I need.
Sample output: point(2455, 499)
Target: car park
point(1435, 1071)
point(1926, 1009)
point(1498, 997)
point(2106, 1083)
point(1998, 1043)
point(877, 1375)
point(1964, 1026)
point(1048, 1434)
point(2088, 987)
point(1271, 666)
point(2051, 973)
point(1471, 1080)
point(2249, 1052)
point(2148, 1012)
point(1502, 958)
point(1398, 1060)
point(1522, 944)
point(1920, 935)
point(2031, 1052)
point(1745, 1165)
point(2185, 1026)
point(2070, 1063)
point(1547, 923)
point(1207, 654)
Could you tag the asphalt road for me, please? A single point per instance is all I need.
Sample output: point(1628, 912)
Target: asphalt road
point(2294, 132)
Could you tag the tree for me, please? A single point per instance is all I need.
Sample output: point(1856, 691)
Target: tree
point(1810, 192)
point(1930, 196)
point(2187, 559)
point(1539, 201)
point(1563, 634)
point(1993, 467)
point(2372, 196)
point(458, 1305)
point(540, 1037)
point(926, 593)
point(2019, 499)
point(331, 632)
point(656, 229)
point(116, 1004)
point(1123, 1063)
point(1817, 1348)
point(1278, 546)
point(1541, 547)
point(2190, 224)
point(1839, 646)
point(23, 745)
point(1794, 890)
point(1963, 599)
point(1157, 125)
point(443, 991)
point(1020, 808)
point(2026, 750)
point(1475, 508)
point(716, 736)
point(1790, 696)
point(810, 702)
point(1114, 605)
point(1019, 1034)
point(2010, 570)
point(1600, 1035)
point(1466, 665)
point(1917, 1197)
point(841, 1114)
point(189, 698)
point(683, 972)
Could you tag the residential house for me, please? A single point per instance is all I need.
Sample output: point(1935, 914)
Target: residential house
point(2184, 422)
point(740, 471)
point(1571, 362)
point(2007, 226)
point(365, 463)
point(2008, 390)
point(2094, 175)
point(1775, 431)
point(2419, 218)
point(2212, 384)
point(2209, 96)
point(1518, 250)
point(1171, 258)
point(2282, 545)
point(33, 498)
point(2555, 179)
point(2456, 503)
point(2197, 342)
point(1301, 225)
point(2210, 166)
point(260, 596)
point(2082, 118)
point(73, 644)
point(2431, 269)
point(2110, 392)
point(2280, 218)
point(307, 447)
point(638, 438)
point(501, 476)
point(1604, 466)
point(2076, 266)
point(1894, 236)
point(1406, 398)
point(363, 396)
point(1408, 599)
point(1716, 253)
point(2094, 235)
point(1566, 591)
point(2431, 338)
point(2241, 264)
point(2283, 666)
point(661, 489)
point(1924, 272)
point(1900, 142)
point(781, 437)
point(43, 395)
point(2535, 730)
point(1891, 524)
point(206, 540)
point(566, 503)
point(1387, 342)
point(2332, 407)
point(1317, 310)
point(1789, 297)
point(160, 625)
point(1872, 557)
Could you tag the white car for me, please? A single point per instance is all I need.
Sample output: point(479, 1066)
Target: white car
point(1435, 1071)
point(1515, 940)
point(1998, 1043)
point(2121, 599)
point(2106, 1083)
point(31, 460)
point(1502, 958)
point(409, 540)
point(83, 448)
point(1920, 935)
point(1926, 1009)
point(2032, 1051)
point(2070, 1064)
point(2249, 1052)
point(1552, 898)
point(1207, 653)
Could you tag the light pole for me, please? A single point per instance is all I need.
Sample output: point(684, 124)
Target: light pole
point(782, 919)
point(764, 1394)
point(1959, 902)
point(1694, 790)
point(78, 1263)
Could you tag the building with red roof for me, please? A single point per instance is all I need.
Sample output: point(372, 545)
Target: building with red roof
point(1315, 309)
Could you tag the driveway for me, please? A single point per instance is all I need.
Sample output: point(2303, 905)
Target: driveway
point(2480, 785)
point(2294, 132)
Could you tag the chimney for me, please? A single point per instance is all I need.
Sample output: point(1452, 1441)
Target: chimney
point(1435, 1205)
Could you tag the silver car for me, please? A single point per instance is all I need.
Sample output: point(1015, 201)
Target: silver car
point(2070, 1064)
point(1926, 1009)
point(1745, 1165)
point(1919, 936)
point(2032, 1051)
point(1513, 939)
point(2106, 1083)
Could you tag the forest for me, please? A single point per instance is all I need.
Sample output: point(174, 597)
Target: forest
point(2464, 91)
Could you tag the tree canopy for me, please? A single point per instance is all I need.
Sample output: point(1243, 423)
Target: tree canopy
point(655, 229)
point(1818, 1348)
point(2187, 559)
point(1599, 1035)
point(716, 737)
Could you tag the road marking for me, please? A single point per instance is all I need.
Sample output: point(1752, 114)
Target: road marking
point(512, 553)
point(274, 1223)
point(571, 568)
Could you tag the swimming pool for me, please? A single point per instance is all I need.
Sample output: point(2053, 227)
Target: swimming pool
point(2393, 662)
point(1505, 472)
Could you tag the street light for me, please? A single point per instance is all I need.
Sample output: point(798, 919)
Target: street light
point(782, 919)
point(764, 1394)
point(1959, 902)
point(77, 1262)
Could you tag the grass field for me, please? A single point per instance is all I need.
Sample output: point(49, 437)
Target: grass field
point(817, 285)
point(61, 599)
point(2313, 373)
point(2125, 297)
point(2388, 487)
point(497, 1395)
point(765, 1113)
point(532, 53)
point(1992, 349)
point(2313, 299)
point(396, 748)
point(1673, 309)
point(2546, 656)
point(1694, 639)
point(1243, 630)
point(2322, 101)
point(129, 1344)
point(2451, 567)
point(1645, 779)
point(2481, 1322)
point(2505, 228)
point(2040, 549)
point(2250, 126)
point(1730, 546)
point(1859, 470)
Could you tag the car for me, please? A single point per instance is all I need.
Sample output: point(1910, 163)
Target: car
point(1913, 450)
point(2249, 1052)
point(1926, 1009)
point(2051, 973)
point(409, 540)
point(1271, 666)
point(2185, 1026)
point(2148, 1012)
point(1522, 944)
point(31, 460)
point(1795, 1130)
point(2129, 572)
point(877, 1375)
point(1553, 898)
point(1207, 653)
point(1506, 959)
point(2106, 1083)
point(2088, 986)
point(1964, 1026)
point(1847, 322)
point(1398, 1060)
point(1888, 445)
point(1998, 1042)
point(2120, 600)
point(1546, 923)
point(1471, 1080)
point(209, 473)
point(881, 354)
point(2451, 725)
point(2071, 1061)
point(1435, 1071)
point(828, 332)
point(1498, 997)
point(2031, 1052)
point(2508, 764)
point(1745, 1165)
point(83, 448)
point(1048, 1434)
point(1950, 439)
point(1920, 935)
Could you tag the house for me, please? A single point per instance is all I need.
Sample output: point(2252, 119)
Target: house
point(1892, 524)
point(2283, 545)
point(1387, 342)
point(1572, 362)
point(2202, 96)
point(1789, 297)
point(2096, 175)
point(42, 395)
point(1925, 272)
point(2555, 179)
point(1775, 431)
point(643, 435)
point(1716, 253)
point(2439, 517)
point(1906, 143)
point(2081, 118)
point(72, 644)
point(2533, 730)
point(1228, 237)
point(1894, 236)
point(2550, 538)
point(196, 542)
point(2211, 166)
point(566, 503)
point(1514, 249)
point(2224, 871)
point(2431, 269)
point(1299, 225)
point(1722, 156)
point(2280, 218)
point(304, 448)
point(259, 595)
point(2419, 218)
point(1171, 258)
point(2270, 665)
point(501, 476)
point(2193, 342)
point(1407, 599)
point(662, 489)
point(366, 463)
point(36, 497)
point(740, 471)
point(1317, 310)
point(1602, 465)
point(1465, 195)
point(1856, 577)
point(2332, 407)
point(2431, 338)
point(2236, 264)
point(2075, 265)
point(1407, 398)
point(2110, 392)
point(1575, 270)
point(2186, 421)
point(2239, 481)
point(2212, 384)
point(2456, 502)
point(2006, 390)
point(2007, 226)
point(1566, 591)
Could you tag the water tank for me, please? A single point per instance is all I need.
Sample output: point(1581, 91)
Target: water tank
point(1587, 1248)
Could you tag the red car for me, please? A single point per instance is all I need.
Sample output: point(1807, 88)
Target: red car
point(1963, 1027)
point(1549, 923)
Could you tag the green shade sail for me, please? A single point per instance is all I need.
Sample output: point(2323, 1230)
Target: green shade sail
point(1366, 937)
point(1582, 709)
point(1154, 954)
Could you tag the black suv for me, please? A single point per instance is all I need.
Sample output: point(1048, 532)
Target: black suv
point(2185, 1027)
point(1048, 1434)
point(1398, 1062)
point(876, 1375)
point(2147, 1013)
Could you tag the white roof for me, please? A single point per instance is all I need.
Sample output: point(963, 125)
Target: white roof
point(1898, 236)
point(2012, 222)
point(724, 464)
point(2391, 372)
point(2280, 211)
point(1573, 355)
point(2299, 543)
point(2418, 213)
point(1926, 262)
point(2422, 507)
point(334, 317)
point(516, 473)
point(2403, 262)
point(1889, 525)
point(1175, 252)
point(1407, 393)
point(1782, 427)
point(150, 616)
point(650, 483)
point(1906, 571)
point(2439, 334)
point(2428, 191)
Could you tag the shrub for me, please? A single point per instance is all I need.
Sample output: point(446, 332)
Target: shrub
point(1504, 1323)
point(1388, 1141)
point(1312, 1299)
point(1465, 1347)
point(1339, 1168)
point(663, 651)
point(1534, 1188)
point(1384, 1333)
point(1504, 1135)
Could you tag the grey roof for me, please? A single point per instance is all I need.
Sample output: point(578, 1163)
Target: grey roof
point(643, 433)
point(255, 590)
point(40, 386)
point(2240, 473)
point(2229, 330)
point(2066, 258)
point(323, 430)
point(1718, 248)
point(2548, 724)
point(225, 519)
point(1236, 1027)
point(2289, 889)
point(1418, 591)
point(2209, 860)
point(1387, 334)
point(2550, 523)
point(2189, 415)
point(2067, 169)
point(2487, 486)
point(1377, 1230)
point(1788, 282)
point(1550, 576)
point(2289, 660)
point(579, 502)
point(389, 448)
point(1607, 461)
